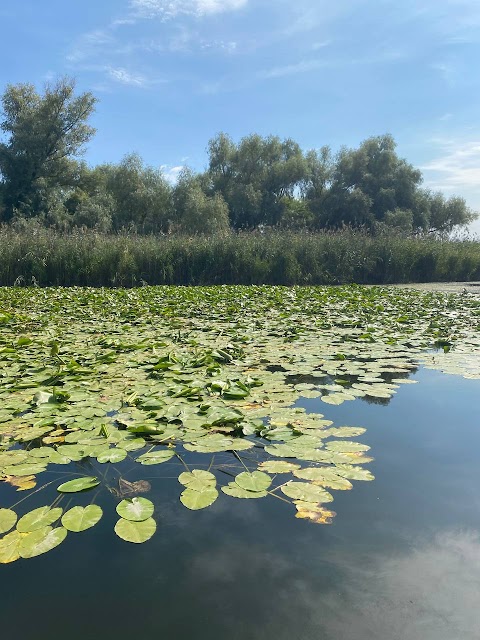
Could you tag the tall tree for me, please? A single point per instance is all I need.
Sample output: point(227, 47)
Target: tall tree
point(255, 176)
point(43, 136)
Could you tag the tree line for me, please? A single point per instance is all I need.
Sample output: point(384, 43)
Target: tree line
point(257, 182)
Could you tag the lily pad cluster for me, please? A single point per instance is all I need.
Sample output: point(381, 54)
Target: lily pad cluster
point(205, 382)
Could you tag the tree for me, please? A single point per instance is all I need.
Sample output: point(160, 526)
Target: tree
point(445, 214)
point(195, 211)
point(254, 176)
point(44, 134)
point(141, 195)
point(368, 182)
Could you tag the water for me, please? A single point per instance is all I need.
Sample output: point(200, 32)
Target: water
point(400, 562)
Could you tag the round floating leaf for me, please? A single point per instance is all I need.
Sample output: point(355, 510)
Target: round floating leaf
point(80, 484)
point(41, 541)
point(197, 480)
point(136, 532)
point(306, 491)
point(20, 470)
point(82, 518)
point(336, 398)
point(343, 446)
point(256, 481)
point(9, 547)
point(131, 444)
point(235, 491)
point(38, 519)
point(135, 509)
point(353, 473)
point(155, 457)
point(112, 455)
point(196, 500)
point(324, 477)
point(278, 466)
point(8, 518)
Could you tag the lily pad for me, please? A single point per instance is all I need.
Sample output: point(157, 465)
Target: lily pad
point(235, 491)
point(41, 540)
point(306, 492)
point(136, 532)
point(196, 500)
point(135, 509)
point(82, 518)
point(9, 547)
point(80, 484)
point(112, 455)
point(38, 519)
point(8, 518)
point(197, 480)
point(156, 457)
point(278, 466)
point(255, 481)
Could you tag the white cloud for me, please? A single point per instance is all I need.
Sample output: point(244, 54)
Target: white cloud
point(172, 173)
point(457, 165)
point(128, 78)
point(170, 8)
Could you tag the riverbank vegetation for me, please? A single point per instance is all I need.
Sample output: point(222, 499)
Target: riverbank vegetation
point(45, 257)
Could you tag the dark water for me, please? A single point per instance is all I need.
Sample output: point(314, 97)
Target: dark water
point(400, 562)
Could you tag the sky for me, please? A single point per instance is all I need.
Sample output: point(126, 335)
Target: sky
point(170, 74)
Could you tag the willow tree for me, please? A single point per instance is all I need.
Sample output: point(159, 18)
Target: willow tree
point(43, 136)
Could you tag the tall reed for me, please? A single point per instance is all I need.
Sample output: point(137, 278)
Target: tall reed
point(46, 258)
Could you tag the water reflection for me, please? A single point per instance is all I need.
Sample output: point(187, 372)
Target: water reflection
point(429, 593)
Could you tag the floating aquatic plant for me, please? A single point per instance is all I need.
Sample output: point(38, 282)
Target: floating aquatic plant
point(167, 376)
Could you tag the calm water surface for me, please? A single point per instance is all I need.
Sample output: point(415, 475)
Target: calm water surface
point(400, 562)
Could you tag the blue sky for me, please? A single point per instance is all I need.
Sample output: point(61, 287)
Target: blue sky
point(170, 74)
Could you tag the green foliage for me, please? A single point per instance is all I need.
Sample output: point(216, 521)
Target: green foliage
point(254, 176)
point(44, 133)
point(255, 183)
point(197, 213)
point(91, 259)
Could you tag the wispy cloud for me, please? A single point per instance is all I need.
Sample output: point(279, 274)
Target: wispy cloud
point(168, 9)
point(90, 44)
point(123, 76)
point(457, 165)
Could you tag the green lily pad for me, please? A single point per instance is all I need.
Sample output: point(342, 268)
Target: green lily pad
point(41, 540)
point(353, 472)
point(82, 518)
point(156, 457)
point(9, 547)
point(197, 480)
point(21, 470)
point(196, 500)
point(8, 518)
point(278, 466)
point(80, 484)
point(112, 455)
point(235, 491)
point(255, 481)
point(135, 509)
point(38, 519)
point(135, 532)
point(306, 491)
